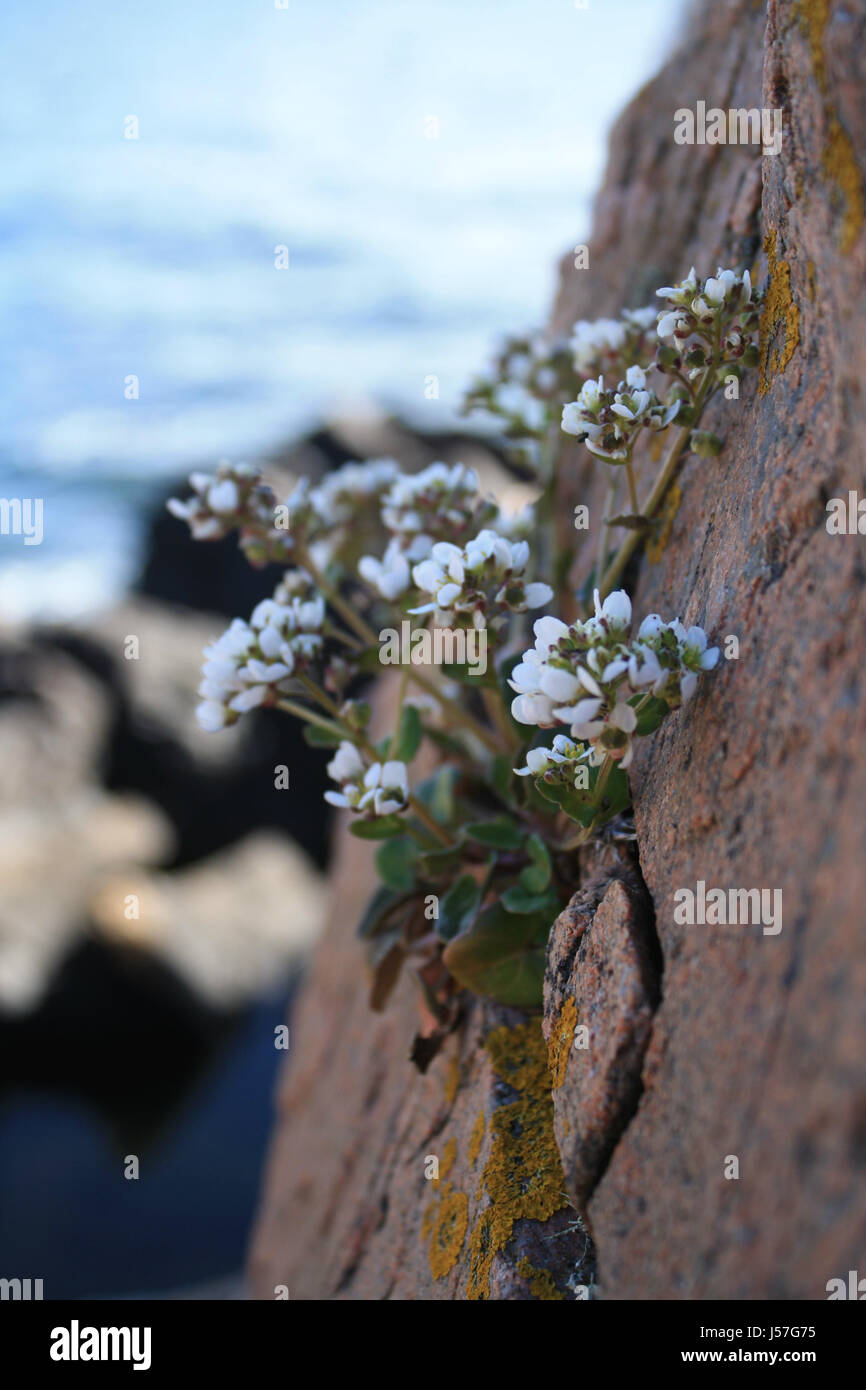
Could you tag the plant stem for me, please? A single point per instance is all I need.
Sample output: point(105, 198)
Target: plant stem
point(458, 714)
point(420, 811)
point(336, 600)
point(310, 717)
point(653, 502)
point(609, 504)
point(632, 489)
point(496, 709)
point(404, 681)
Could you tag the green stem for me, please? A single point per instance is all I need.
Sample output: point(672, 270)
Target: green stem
point(404, 681)
point(336, 600)
point(609, 504)
point(458, 714)
point(632, 488)
point(310, 717)
point(494, 704)
point(653, 502)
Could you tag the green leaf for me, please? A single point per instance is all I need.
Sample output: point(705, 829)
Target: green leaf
point(437, 863)
point(377, 911)
point(501, 774)
point(650, 717)
point(502, 956)
point(518, 899)
point(577, 805)
point(409, 734)
point(459, 907)
point(502, 833)
point(395, 862)
point(437, 794)
point(382, 828)
point(536, 878)
point(320, 738)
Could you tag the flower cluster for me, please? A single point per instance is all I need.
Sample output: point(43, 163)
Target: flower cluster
point(609, 421)
point(336, 499)
point(379, 790)
point(722, 310)
point(607, 345)
point(594, 678)
point(565, 762)
point(419, 510)
point(478, 584)
point(253, 663)
point(235, 498)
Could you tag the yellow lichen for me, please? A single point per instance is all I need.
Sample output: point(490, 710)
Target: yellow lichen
point(448, 1231)
point(839, 161)
point(779, 311)
point(541, 1283)
point(523, 1174)
point(655, 546)
point(559, 1042)
point(446, 1162)
point(452, 1080)
point(476, 1138)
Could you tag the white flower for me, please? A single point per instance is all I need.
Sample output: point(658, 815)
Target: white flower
point(211, 716)
point(481, 579)
point(223, 496)
point(636, 378)
point(251, 664)
point(346, 764)
point(616, 609)
point(386, 788)
point(670, 322)
point(559, 684)
point(390, 575)
point(337, 497)
point(548, 632)
point(572, 420)
point(680, 293)
point(592, 340)
point(533, 709)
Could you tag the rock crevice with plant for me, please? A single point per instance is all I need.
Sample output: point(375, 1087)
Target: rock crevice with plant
point(531, 746)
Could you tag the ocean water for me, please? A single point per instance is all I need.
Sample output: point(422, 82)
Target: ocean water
point(424, 162)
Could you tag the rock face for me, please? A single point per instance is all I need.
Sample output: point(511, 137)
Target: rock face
point(713, 1132)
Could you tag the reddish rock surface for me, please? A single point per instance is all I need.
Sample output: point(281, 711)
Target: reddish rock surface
point(757, 1048)
point(755, 1051)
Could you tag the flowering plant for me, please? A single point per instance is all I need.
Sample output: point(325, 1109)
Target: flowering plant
point(526, 751)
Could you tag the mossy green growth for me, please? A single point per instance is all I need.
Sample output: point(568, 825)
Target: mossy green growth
point(523, 1175)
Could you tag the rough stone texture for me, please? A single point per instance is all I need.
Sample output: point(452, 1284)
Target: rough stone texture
point(602, 977)
point(757, 1048)
point(347, 1211)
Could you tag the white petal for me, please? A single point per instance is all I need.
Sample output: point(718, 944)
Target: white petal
point(537, 595)
point(560, 685)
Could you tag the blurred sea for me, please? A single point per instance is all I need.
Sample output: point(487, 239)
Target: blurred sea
point(306, 126)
